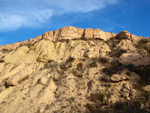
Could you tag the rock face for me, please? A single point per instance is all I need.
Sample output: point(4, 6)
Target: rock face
point(70, 32)
point(74, 70)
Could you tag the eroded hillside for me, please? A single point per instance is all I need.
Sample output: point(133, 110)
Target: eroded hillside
point(72, 70)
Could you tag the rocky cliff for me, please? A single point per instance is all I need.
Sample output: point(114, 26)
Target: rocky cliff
point(74, 70)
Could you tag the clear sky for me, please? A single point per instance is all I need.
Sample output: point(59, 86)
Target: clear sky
point(24, 19)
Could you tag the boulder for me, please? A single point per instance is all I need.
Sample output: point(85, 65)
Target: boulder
point(118, 78)
point(126, 45)
point(147, 88)
point(123, 35)
point(134, 58)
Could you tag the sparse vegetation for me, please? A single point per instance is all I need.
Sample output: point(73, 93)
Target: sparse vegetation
point(113, 68)
point(93, 64)
point(73, 82)
point(116, 53)
point(103, 60)
point(143, 46)
point(113, 42)
point(132, 106)
point(100, 99)
point(78, 73)
point(67, 64)
point(50, 64)
point(142, 71)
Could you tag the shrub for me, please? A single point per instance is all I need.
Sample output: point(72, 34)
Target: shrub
point(1, 61)
point(103, 60)
point(101, 97)
point(143, 46)
point(92, 63)
point(113, 42)
point(142, 71)
point(50, 64)
point(113, 68)
point(117, 52)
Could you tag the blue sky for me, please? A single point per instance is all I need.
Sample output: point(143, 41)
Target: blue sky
point(24, 19)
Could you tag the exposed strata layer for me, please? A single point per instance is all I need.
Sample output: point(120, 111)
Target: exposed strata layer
point(70, 33)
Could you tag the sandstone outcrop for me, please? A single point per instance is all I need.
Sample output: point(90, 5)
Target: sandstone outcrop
point(74, 70)
point(123, 34)
point(126, 35)
point(70, 32)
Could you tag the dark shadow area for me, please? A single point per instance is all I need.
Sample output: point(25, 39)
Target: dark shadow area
point(100, 105)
